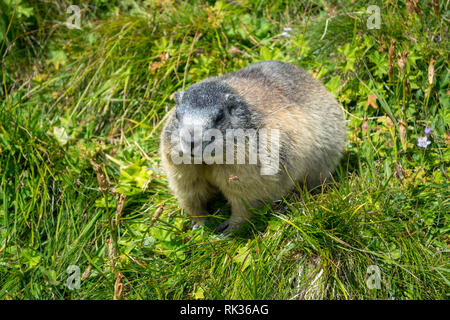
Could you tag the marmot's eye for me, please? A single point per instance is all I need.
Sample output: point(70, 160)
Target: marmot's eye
point(220, 117)
point(232, 109)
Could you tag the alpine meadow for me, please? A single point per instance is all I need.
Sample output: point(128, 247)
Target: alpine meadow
point(85, 207)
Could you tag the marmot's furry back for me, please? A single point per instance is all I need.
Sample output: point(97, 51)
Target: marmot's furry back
point(265, 95)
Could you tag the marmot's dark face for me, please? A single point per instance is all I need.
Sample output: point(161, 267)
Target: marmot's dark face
point(204, 113)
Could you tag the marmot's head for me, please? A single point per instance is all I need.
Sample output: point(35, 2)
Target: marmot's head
point(203, 112)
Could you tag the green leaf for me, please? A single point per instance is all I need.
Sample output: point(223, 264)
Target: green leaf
point(350, 54)
point(334, 84)
point(381, 63)
point(199, 293)
point(61, 135)
point(109, 203)
point(31, 258)
point(140, 176)
point(50, 276)
point(24, 11)
point(58, 58)
point(244, 257)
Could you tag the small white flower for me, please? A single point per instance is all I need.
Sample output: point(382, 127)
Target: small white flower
point(423, 142)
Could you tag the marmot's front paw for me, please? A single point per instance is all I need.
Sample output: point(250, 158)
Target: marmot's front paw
point(226, 228)
point(198, 222)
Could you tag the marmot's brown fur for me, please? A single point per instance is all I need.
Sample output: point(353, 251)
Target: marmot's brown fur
point(266, 94)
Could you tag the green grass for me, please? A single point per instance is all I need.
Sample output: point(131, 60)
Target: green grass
point(80, 178)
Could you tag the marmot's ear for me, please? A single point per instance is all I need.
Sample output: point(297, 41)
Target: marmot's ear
point(178, 96)
point(231, 100)
point(229, 97)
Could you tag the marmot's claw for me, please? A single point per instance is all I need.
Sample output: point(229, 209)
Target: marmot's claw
point(222, 227)
point(226, 228)
point(198, 224)
point(195, 225)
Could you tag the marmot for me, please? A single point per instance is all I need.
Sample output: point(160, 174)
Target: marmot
point(305, 120)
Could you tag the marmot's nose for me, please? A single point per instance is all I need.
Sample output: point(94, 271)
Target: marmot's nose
point(191, 141)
